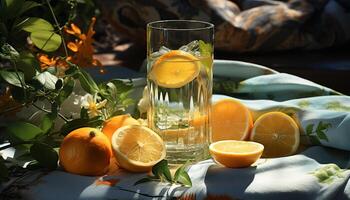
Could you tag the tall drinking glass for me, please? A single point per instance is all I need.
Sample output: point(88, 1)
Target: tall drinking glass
point(179, 80)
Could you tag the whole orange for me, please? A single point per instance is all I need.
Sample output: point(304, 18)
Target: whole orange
point(114, 123)
point(85, 151)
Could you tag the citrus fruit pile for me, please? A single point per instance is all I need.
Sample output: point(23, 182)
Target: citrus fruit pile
point(89, 151)
point(232, 121)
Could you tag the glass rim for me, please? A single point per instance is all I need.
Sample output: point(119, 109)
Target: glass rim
point(207, 26)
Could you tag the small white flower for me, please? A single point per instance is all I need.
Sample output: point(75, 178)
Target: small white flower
point(90, 103)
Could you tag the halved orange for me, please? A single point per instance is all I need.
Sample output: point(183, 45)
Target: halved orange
point(137, 148)
point(175, 69)
point(278, 132)
point(233, 153)
point(112, 124)
point(231, 120)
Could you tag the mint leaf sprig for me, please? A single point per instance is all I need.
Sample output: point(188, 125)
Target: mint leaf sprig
point(161, 173)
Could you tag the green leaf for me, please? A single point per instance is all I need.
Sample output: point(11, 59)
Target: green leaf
point(13, 78)
point(337, 106)
point(72, 70)
point(323, 126)
point(34, 24)
point(46, 40)
point(321, 135)
point(4, 173)
point(12, 7)
point(78, 123)
point(47, 122)
point(66, 91)
point(112, 89)
point(124, 95)
point(7, 52)
point(161, 170)
point(122, 86)
point(320, 130)
point(27, 6)
point(309, 129)
point(47, 80)
point(87, 83)
point(128, 102)
point(181, 176)
point(180, 170)
point(184, 179)
point(45, 155)
point(23, 131)
point(28, 64)
point(205, 48)
point(319, 126)
point(145, 180)
point(328, 173)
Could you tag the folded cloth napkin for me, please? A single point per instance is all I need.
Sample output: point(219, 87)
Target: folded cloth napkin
point(278, 86)
point(313, 174)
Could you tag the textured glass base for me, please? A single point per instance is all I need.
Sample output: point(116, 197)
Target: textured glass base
point(177, 156)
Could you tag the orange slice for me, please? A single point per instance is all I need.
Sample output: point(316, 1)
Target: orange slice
point(175, 69)
point(231, 120)
point(278, 132)
point(137, 148)
point(233, 153)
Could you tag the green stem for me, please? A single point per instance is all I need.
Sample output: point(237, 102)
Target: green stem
point(59, 28)
point(20, 80)
point(47, 111)
point(47, 41)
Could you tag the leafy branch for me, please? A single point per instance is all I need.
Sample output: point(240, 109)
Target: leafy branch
point(59, 28)
point(161, 173)
point(30, 77)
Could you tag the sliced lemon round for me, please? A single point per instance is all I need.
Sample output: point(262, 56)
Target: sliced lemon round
point(278, 132)
point(175, 69)
point(137, 148)
point(235, 154)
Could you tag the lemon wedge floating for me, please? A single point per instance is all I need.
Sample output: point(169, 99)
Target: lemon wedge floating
point(175, 69)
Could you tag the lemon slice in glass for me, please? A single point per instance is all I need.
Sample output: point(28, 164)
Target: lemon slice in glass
point(175, 69)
